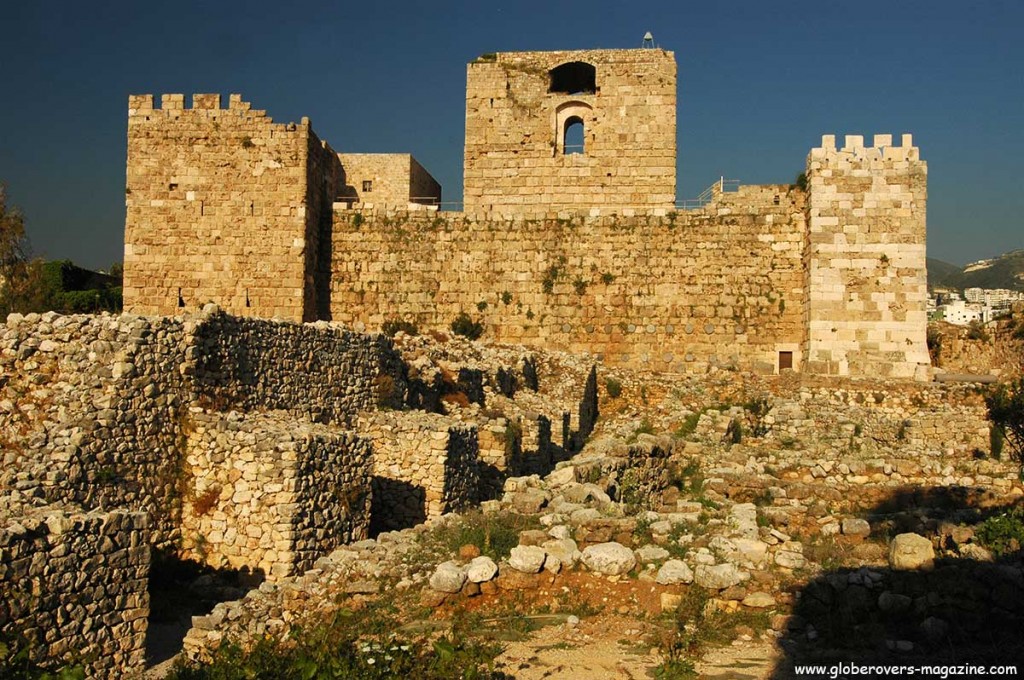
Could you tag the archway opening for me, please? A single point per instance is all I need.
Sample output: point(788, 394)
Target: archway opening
point(575, 77)
point(573, 137)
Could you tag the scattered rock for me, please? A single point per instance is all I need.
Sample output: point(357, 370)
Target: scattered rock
point(610, 558)
point(911, 551)
point(448, 577)
point(528, 559)
point(674, 571)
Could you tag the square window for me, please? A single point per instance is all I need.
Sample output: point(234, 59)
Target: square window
point(367, 185)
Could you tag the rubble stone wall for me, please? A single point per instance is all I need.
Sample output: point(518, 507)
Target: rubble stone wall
point(73, 586)
point(315, 371)
point(90, 411)
point(93, 408)
point(424, 465)
point(271, 495)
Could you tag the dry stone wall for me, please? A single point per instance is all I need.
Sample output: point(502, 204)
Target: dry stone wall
point(515, 156)
point(90, 411)
point(424, 465)
point(723, 285)
point(867, 285)
point(73, 586)
point(271, 495)
point(316, 371)
point(93, 409)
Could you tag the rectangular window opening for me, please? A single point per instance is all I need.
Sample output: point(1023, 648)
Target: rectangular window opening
point(367, 185)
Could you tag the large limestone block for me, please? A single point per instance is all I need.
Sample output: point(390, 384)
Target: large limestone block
point(612, 558)
point(911, 551)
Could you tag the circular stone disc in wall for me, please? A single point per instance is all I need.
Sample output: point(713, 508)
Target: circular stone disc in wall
point(689, 328)
point(709, 328)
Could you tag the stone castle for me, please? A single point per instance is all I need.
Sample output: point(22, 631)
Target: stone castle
point(570, 234)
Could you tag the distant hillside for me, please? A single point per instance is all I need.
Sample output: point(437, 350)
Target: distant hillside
point(1003, 271)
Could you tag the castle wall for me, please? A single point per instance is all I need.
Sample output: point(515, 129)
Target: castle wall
point(514, 159)
point(268, 494)
point(867, 282)
point(723, 285)
point(73, 586)
point(217, 209)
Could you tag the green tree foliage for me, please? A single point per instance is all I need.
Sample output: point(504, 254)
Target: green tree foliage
point(1006, 411)
point(32, 285)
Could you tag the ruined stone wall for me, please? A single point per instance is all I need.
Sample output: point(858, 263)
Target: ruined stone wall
point(271, 495)
point(514, 153)
point(93, 409)
point(866, 277)
point(73, 586)
point(722, 285)
point(316, 372)
point(90, 411)
point(394, 179)
point(424, 465)
point(218, 209)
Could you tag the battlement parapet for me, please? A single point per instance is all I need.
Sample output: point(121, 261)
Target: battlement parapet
point(853, 149)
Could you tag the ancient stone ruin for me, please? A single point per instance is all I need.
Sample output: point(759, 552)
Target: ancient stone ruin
point(246, 413)
point(239, 443)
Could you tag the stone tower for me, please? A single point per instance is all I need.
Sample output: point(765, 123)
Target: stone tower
point(865, 258)
point(615, 108)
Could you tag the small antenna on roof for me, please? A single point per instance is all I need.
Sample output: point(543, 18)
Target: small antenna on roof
point(648, 43)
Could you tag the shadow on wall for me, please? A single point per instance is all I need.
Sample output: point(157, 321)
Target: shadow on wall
point(396, 505)
point(180, 589)
point(966, 610)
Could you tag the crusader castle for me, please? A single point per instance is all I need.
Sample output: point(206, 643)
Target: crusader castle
point(577, 245)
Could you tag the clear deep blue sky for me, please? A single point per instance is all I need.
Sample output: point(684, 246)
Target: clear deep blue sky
point(759, 82)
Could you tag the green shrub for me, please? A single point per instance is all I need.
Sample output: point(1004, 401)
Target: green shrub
point(613, 387)
point(734, 433)
point(996, 437)
point(607, 278)
point(495, 534)
point(1006, 411)
point(465, 326)
point(506, 297)
point(580, 286)
point(393, 326)
point(689, 425)
point(1003, 533)
point(481, 306)
point(976, 331)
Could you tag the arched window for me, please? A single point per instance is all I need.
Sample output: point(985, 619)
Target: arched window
point(575, 77)
point(573, 136)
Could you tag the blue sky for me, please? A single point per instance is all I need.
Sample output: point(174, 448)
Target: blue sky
point(759, 83)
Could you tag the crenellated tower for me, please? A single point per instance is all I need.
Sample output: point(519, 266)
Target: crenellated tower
point(867, 284)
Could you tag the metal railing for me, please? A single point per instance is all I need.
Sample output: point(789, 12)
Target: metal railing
point(722, 186)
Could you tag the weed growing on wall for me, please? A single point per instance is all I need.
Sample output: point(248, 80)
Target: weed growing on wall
point(465, 326)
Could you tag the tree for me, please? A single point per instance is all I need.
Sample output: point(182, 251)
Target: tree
point(1006, 411)
point(16, 270)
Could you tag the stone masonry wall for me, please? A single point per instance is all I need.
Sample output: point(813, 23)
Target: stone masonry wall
point(424, 465)
point(723, 285)
point(867, 284)
point(73, 585)
point(514, 159)
point(93, 408)
point(218, 209)
point(271, 495)
point(315, 371)
point(90, 411)
point(396, 179)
